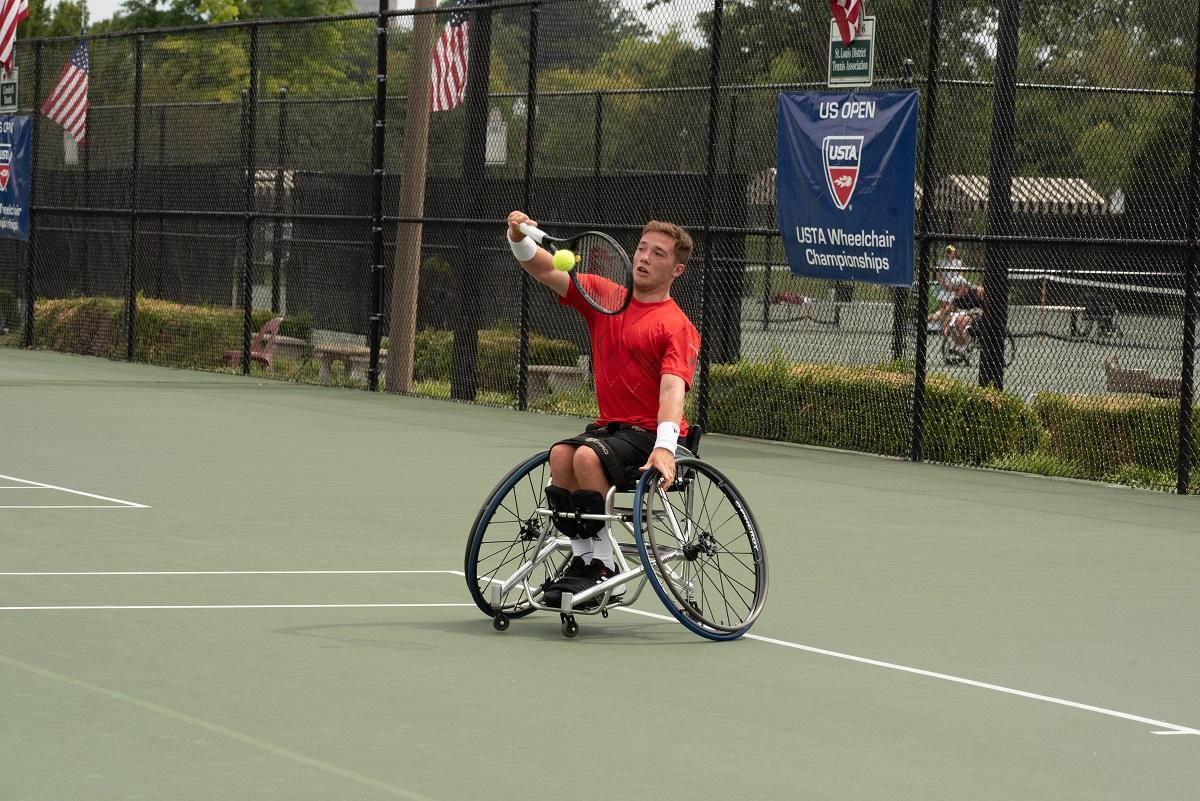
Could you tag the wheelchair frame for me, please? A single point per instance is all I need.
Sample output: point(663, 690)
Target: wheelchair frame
point(678, 568)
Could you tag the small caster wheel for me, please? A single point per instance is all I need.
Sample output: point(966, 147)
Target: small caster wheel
point(569, 627)
point(500, 622)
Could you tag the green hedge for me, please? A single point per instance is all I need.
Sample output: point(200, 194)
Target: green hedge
point(867, 409)
point(175, 335)
point(167, 333)
point(1110, 436)
point(497, 360)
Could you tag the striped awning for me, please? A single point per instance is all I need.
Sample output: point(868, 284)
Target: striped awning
point(1030, 195)
point(264, 183)
point(760, 189)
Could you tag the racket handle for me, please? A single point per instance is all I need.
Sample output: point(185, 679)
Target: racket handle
point(535, 234)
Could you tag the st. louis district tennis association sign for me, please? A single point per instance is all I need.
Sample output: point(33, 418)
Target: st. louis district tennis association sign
point(844, 184)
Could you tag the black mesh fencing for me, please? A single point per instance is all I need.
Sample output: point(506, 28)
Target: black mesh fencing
point(232, 176)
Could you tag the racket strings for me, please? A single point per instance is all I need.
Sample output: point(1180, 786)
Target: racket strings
point(610, 281)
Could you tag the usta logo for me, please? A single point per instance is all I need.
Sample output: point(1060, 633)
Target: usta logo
point(841, 156)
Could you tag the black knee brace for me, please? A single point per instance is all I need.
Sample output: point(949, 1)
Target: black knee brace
point(588, 502)
point(559, 500)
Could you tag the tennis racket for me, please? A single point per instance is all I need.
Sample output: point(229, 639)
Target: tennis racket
point(603, 273)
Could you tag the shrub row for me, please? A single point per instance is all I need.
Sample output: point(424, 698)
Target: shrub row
point(167, 333)
point(1126, 439)
point(175, 335)
point(1106, 436)
point(867, 409)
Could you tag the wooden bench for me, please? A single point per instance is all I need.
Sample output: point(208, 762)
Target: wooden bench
point(1119, 379)
point(354, 359)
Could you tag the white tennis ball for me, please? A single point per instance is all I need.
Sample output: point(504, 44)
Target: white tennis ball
point(564, 260)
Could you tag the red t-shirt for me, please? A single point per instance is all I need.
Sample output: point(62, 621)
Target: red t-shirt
point(632, 351)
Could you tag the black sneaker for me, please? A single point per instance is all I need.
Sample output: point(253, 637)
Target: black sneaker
point(576, 569)
point(600, 572)
point(592, 575)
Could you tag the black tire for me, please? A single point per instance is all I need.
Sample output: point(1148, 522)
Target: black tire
point(506, 533)
point(715, 582)
point(949, 357)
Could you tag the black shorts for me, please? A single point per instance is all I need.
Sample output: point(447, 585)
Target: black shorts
point(622, 449)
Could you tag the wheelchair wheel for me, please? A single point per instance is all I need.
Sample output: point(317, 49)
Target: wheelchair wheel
point(505, 535)
point(704, 549)
point(952, 356)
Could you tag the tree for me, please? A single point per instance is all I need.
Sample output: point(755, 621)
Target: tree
point(61, 20)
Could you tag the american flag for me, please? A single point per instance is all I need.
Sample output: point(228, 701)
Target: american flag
point(448, 76)
point(11, 14)
point(848, 14)
point(68, 102)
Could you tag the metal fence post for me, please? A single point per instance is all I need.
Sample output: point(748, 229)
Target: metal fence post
point(375, 320)
point(928, 176)
point(714, 111)
point(131, 275)
point(527, 202)
point(900, 294)
point(277, 226)
point(1188, 365)
point(598, 156)
point(250, 128)
point(85, 283)
point(999, 201)
point(160, 259)
point(30, 260)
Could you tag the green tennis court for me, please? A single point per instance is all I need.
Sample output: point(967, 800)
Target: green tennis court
point(215, 587)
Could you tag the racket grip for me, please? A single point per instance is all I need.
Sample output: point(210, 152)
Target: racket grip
point(535, 234)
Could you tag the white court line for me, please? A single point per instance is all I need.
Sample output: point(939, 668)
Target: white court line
point(224, 606)
point(130, 504)
point(1171, 728)
point(71, 506)
point(1165, 727)
point(233, 573)
point(229, 606)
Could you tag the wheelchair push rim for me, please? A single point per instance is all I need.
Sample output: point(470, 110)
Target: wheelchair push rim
point(507, 533)
point(703, 550)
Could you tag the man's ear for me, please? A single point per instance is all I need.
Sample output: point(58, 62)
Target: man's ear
point(678, 271)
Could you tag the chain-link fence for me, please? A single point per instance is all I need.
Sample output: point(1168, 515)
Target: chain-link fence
point(240, 173)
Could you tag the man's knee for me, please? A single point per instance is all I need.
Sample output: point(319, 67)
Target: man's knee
point(562, 460)
point(586, 460)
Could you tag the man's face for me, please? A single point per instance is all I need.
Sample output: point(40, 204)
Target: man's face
point(654, 264)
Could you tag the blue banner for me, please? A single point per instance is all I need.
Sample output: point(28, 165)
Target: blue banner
point(844, 184)
point(14, 176)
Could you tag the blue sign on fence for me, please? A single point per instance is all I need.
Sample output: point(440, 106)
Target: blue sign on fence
point(14, 177)
point(844, 184)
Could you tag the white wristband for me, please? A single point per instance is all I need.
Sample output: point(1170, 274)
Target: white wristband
point(524, 249)
point(667, 436)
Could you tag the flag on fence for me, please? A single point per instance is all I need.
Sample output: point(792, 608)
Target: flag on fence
point(848, 14)
point(11, 14)
point(448, 76)
point(68, 101)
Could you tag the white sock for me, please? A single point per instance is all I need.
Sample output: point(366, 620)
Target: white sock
point(602, 549)
point(582, 549)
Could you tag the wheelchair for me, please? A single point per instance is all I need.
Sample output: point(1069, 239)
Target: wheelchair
point(695, 543)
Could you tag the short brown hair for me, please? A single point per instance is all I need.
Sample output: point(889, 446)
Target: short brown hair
point(683, 240)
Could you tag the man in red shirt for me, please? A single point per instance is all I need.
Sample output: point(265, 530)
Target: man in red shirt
point(643, 360)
